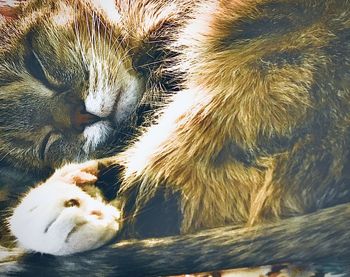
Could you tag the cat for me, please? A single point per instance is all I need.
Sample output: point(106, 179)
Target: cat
point(53, 107)
point(62, 106)
point(71, 77)
point(264, 100)
point(74, 83)
point(48, 46)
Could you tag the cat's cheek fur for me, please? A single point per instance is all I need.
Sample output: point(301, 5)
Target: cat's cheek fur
point(42, 222)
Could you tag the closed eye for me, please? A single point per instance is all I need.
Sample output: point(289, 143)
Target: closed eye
point(36, 67)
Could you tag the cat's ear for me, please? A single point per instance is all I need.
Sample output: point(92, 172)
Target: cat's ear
point(159, 20)
point(9, 9)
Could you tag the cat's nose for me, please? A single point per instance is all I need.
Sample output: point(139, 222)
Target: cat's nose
point(69, 113)
point(80, 118)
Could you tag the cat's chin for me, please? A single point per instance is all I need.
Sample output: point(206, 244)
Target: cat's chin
point(60, 219)
point(96, 135)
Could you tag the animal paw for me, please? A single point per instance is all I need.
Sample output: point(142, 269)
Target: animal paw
point(58, 217)
point(78, 174)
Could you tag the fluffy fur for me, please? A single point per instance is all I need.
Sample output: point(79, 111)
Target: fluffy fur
point(258, 133)
point(61, 218)
point(73, 74)
point(76, 78)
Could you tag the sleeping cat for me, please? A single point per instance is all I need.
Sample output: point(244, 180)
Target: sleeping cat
point(58, 101)
point(259, 133)
point(74, 82)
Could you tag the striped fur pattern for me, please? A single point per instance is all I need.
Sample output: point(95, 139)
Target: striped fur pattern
point(260, 129)
point(74, 73)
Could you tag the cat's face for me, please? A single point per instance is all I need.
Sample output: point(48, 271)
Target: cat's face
point(66, 83)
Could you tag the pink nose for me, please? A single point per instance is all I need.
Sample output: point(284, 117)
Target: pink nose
point(81, 118)
point(97, 213)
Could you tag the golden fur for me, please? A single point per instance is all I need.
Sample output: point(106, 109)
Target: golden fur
point(260, 79)
point(260, 128)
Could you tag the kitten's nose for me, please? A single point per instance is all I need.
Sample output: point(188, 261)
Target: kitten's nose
point(80, 118)
point(69, 113)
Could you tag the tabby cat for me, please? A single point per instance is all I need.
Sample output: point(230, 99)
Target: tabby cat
point(76, 77)
point(258, 133)
point(72, 75)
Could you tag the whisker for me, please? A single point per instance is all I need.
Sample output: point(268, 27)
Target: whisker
point(8, 153)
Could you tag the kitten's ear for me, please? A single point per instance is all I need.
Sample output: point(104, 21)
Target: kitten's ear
point(9, 9)
point(158, 19)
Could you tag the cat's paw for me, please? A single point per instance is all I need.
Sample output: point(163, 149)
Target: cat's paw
point(59, 218)
point(78, 174)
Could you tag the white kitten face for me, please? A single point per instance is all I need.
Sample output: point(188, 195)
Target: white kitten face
point(60, 219)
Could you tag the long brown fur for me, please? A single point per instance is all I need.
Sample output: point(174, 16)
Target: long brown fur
point(260, 130)
point(264, 78)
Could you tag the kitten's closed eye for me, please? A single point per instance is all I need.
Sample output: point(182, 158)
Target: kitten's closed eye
point(59, 218)
point(38, 70)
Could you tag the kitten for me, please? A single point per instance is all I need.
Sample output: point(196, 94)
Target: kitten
point(259, 134)
point(66, 84)
point(75, 83)
point(72, 76)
